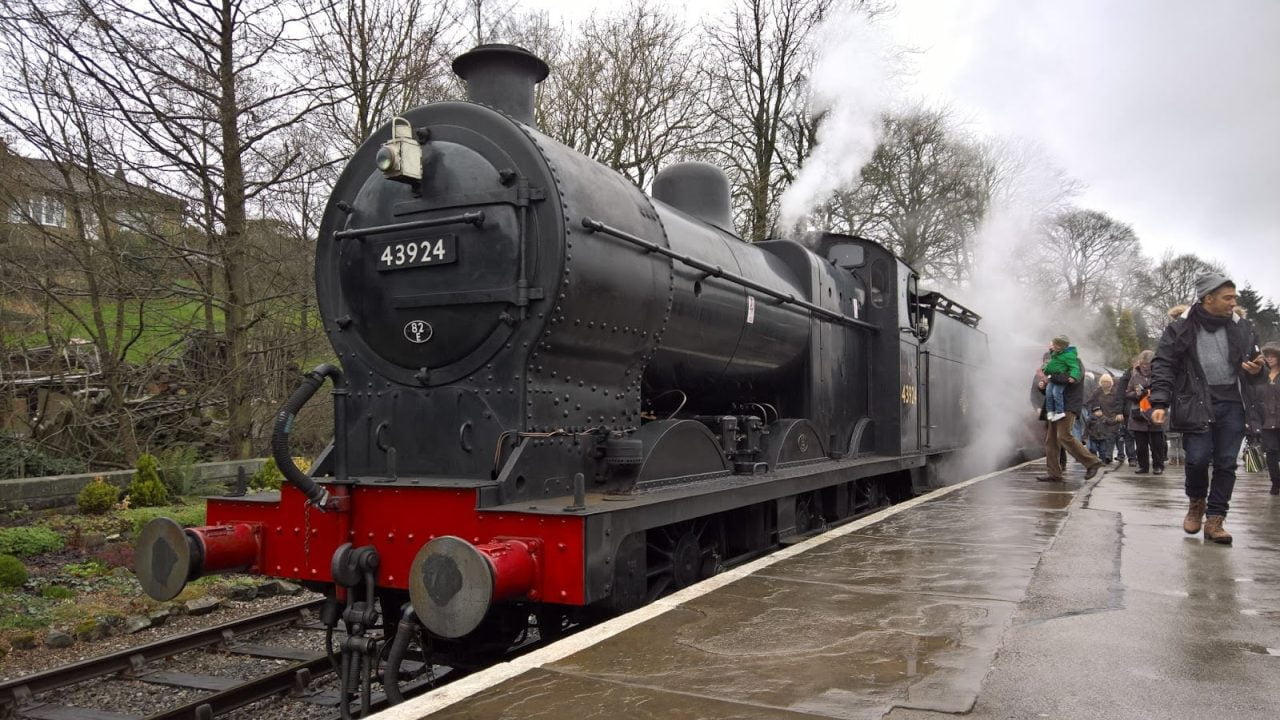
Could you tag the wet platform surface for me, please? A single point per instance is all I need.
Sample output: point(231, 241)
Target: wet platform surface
point(1008, 598)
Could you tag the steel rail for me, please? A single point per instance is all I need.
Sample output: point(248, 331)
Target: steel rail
point(297, 676)
point(20, 690)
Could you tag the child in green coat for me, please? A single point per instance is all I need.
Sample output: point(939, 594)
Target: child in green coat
point(1063, 360)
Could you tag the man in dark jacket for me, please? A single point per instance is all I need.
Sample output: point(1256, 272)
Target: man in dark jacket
point(1058, 435)
point(1201, 365)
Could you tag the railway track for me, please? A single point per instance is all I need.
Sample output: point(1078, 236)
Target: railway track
point(26, 697)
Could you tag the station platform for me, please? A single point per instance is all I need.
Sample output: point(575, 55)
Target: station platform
point(1000, 597)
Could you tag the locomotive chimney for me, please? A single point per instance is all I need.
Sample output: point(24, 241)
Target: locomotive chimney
point(698, 189)
point(502, 77)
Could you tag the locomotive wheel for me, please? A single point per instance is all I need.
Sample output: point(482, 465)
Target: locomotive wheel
point(679, 556)
point(808, 513)
point(502, 628)
point(686, 561)
point(553, 622)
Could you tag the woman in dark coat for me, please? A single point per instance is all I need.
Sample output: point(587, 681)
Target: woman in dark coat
point(1149, 436)
point(1264, 416)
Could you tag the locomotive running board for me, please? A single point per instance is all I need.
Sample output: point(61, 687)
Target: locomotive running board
point(703, 497)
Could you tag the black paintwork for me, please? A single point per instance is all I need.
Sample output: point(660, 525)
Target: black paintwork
point(537, 349)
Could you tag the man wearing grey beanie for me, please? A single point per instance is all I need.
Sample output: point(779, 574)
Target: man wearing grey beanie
point(1204, 359)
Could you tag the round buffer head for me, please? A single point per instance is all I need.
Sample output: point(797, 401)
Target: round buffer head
point(163, 559)
point(450, 586)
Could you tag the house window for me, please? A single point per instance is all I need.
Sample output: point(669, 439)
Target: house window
point(41, 210)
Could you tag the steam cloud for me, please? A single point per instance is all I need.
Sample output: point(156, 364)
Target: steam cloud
point(850, 89)
point(1018, 319)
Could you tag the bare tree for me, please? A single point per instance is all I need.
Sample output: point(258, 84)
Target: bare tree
point(1082, 256)
point(1171, 282)
point(626, 92)
point(380, 57)
point(488, 21)
point(757, 58)
point(76, 229)
point(204, 92)
point(923, 194)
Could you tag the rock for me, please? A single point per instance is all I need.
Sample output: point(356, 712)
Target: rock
point(93, 540)
point(111, 621)
point(114, 537)
point(92, 630)
point(158, 617)
point(57, 639)
point(278, 587)
point(25, 641)
point(243, 592)
point(122, 572)
point(137, 623)
point(176, 609)
point(202, 606)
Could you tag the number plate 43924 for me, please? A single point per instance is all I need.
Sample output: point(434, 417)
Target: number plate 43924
point(436, 250)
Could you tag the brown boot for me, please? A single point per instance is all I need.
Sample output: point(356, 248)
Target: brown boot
point(1214, 531)
point(1194, 520)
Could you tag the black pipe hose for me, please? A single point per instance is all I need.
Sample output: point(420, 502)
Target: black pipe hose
point(316, 494)
point(405, 630)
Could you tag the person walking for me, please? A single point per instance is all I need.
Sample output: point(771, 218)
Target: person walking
point(1265, 416)
point(1126, 446)
point(1105, 419)
point(1058, 435)
point(1147, 434)
point(1201, 367)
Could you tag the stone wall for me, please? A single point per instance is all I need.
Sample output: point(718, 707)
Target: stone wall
point(56, 491)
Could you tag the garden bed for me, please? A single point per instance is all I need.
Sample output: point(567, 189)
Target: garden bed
point(81, 598)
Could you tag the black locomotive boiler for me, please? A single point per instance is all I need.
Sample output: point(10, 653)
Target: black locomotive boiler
point(558, 394)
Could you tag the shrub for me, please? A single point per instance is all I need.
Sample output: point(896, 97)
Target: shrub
point(269, 476)
point(13, 574)
point(87, 569)
point(33, 540)
point(120, 554)
point(147, 490)
point(177, 471)
point(57, 592)
point(185, 515)
point(97, 497)
point(20, 458)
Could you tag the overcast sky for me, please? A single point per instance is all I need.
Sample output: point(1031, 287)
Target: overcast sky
point(1167, 110)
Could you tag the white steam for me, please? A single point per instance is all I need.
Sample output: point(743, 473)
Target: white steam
point(1018, 318)
point(850, 88)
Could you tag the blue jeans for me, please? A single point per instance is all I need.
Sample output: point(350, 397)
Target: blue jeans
point(1102, 447)
point(1219, 446)
point(1055, 398)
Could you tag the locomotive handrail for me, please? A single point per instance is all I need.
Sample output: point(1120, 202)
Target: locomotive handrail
point(717, 271)
point(471, 218)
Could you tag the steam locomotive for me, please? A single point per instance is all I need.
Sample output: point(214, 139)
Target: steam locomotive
point(561, 397)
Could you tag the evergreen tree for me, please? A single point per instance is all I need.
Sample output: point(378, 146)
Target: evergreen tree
point(1263, 313)
point(1143, 332)
point(1127, 332)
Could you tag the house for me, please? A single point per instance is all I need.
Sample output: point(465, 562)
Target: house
point(39, 200)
